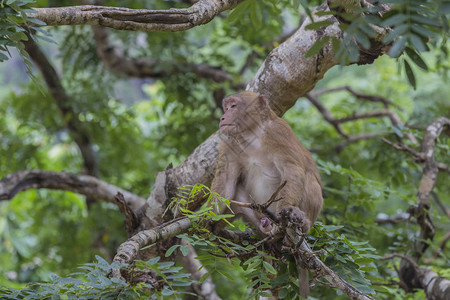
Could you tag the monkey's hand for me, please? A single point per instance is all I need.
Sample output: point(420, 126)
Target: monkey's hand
point(266, 225)
point(292, 216)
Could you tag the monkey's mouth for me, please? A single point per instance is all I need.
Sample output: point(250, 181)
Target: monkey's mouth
point(226, 125)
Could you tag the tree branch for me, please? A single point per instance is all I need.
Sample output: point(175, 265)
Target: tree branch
point(362, 96)
point(286, 74)
point(336, 123)
point(430, 168)
point(435, 286)
point(114, 59)
point(81, 184)
point(76, 128)
point(206, 289)
point(122, 18)
point(129, 250)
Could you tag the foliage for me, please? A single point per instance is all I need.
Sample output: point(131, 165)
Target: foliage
point(14, 29)
point(349, 259)
point(140, 126)
point(93, 281)
point(417, 26)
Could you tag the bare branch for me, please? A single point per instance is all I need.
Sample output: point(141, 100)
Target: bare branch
point(122, 18)
point(436, 198)
point(76, 128)
point(419, 157)
point(353, 139)
point(393, 117)
point(81, 184)
point(362, 96)
point(444, 241)
point(393, 220)
point(114, 59)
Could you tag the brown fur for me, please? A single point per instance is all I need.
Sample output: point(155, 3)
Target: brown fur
point(258, 152)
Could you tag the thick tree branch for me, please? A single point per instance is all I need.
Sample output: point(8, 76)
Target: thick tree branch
point(286, 74)
point(129, 250)
point(81, 184)
point(122, 18)
point(435, 286)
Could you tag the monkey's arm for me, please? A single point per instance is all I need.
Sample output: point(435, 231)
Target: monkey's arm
point(293, 207)
point(227, 173)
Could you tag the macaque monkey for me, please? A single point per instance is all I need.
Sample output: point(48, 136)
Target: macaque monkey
point(258, 152)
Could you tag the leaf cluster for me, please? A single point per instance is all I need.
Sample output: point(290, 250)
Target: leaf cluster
point(91, 282)
point(415, 26)
point(14, 26)
point(171, 279)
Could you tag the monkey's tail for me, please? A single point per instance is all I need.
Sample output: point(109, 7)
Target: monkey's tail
point(303, 282)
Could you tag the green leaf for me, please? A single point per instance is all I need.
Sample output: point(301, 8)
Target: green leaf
point(398, 47)
point(154, 260)
point(422, 31)
point(417, 42)
point(416, 58)
point(227, 275)
point(204, 276)
point(238, 11)
point(426, 20)
point(184, 250)
point(37, 21)
point(332, 227)
point(362, 40)
point(444, 8)
point(166, 292)
point(255, 14)
point(396, 32)
point(182, 283)
point(3, 57)
point(171, 250)
point(394, 20)
point(317, 46)
point(164, 265)
point(178, 276)
point(269, 268)
point(410, 74)
point(318, 25)
point(282, 293)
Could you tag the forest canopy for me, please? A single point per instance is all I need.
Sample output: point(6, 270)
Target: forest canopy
point(108, 146)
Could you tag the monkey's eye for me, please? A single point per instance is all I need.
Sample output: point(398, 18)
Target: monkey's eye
point(233, 105)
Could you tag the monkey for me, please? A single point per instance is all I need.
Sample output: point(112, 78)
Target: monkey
point(258, 152)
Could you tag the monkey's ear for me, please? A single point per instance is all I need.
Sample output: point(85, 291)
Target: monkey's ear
point(262, 101)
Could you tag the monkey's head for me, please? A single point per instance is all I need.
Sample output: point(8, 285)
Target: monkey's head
point(243, 112)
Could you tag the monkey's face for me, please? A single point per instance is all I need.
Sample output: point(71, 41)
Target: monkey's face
point(229, 123)
point(242, 113)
